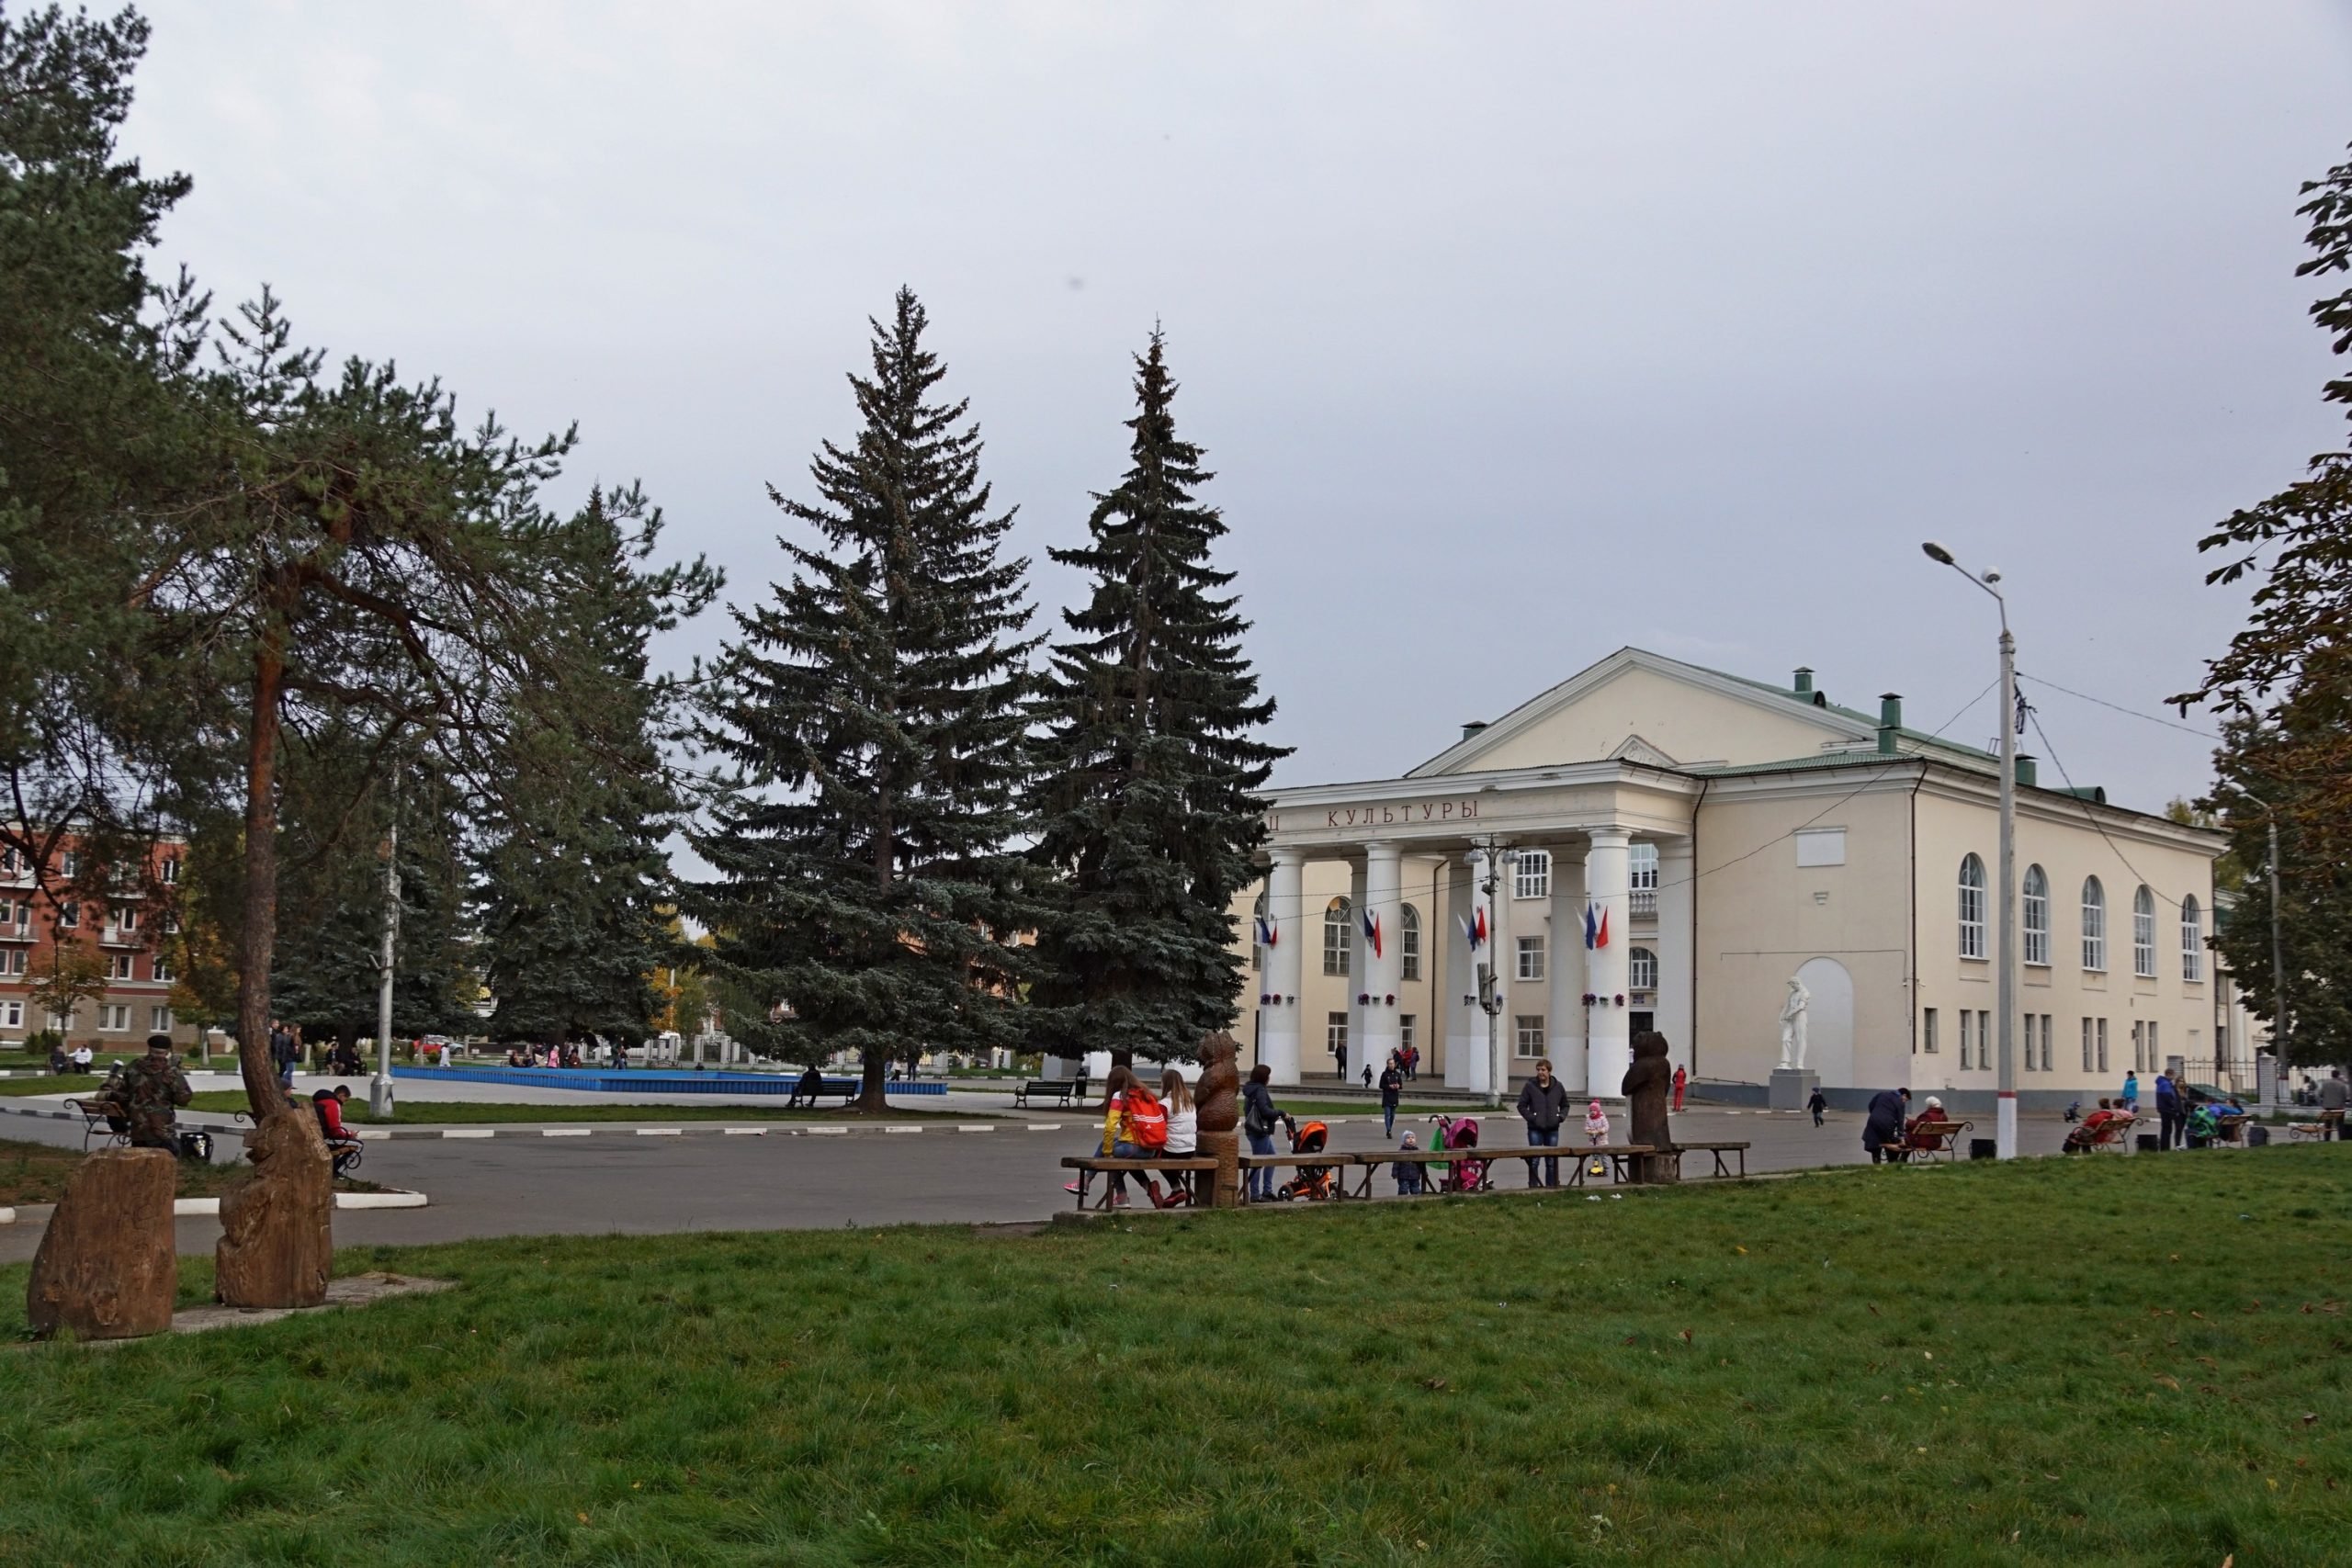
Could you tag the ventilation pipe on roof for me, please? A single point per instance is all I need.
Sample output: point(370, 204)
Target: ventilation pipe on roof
point(1804, 682)
point(1889, 721)
point(2025, 771)
point(1472, 727)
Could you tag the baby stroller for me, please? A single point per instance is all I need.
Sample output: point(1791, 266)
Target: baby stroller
point(1316, 1183)
point(1461, 1175)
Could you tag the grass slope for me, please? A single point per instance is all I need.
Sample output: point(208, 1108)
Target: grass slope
point(2100, 1360)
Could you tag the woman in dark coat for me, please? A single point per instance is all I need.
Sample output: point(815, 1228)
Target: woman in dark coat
point(1883, 1129)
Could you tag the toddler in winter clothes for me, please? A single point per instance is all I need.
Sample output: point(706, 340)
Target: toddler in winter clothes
point(1596, 1124)
point(1408, 1174)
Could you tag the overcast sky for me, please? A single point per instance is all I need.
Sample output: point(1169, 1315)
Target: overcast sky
point(1516, 333)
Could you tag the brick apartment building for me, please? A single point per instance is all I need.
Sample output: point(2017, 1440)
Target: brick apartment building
point(126, 923)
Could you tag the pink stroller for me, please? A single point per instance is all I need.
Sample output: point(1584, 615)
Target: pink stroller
point(1461, 1175)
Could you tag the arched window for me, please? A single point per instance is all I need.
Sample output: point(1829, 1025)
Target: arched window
point(2144, 933)
point(2192, 940)
point(1972, 908)
point(1257, 925)
point(1408, 944)
point(1338, 936)
point(1641, 969)
point(1532, 876)
point(2094, 925)
point(2037, 916)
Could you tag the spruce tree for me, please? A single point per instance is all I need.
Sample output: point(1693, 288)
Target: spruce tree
point(1147, 763)
point(574, 895)
point(875, 707)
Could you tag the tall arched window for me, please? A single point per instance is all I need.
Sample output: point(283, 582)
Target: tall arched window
point(2094, 925)
point(1972, 908)
point(2192, 940)
point(1408, 944)
point(2037, 916)
point(1257, 946)
point(1338, 936)
point(2144, 933)
point(1641, 969)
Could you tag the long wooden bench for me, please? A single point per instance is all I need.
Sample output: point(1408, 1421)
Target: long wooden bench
point(98, 1117)
point(1089, 1165)
point(1718, 1151)
point(1062, 1091)
point(1618, 1155)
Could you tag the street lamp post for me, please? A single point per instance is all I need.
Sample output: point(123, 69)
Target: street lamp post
point(2004, 958)
point(1490, 998)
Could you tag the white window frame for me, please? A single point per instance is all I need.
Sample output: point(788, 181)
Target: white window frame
point(69, 915)
point(2139, 1046)
point(1641, 969)
point(2143, 934)
point(1640, 866)
point(2048, 1061)
point(1408, 942)
point(1530, 877)
point(168, 872)
point(1964, 1053)
point(1257, 948)
point(2192, 942)
point(1528, 1032)
point(159, 1021)
point(1407, 1027)
point(1529, 965)
point(2086, 1046)
point(2036, 921)
point(1335, 1034)
point(1339, 936)
point(2102, 1045)
point(1972, 905)
point(114, 1018)
point(164, 968)
point(2094, 926)
point(122, 967)
point(12, 1015)
point(1927, 1030)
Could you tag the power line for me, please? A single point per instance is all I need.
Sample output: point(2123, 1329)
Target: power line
point(2092, 818)
point(2118, 707)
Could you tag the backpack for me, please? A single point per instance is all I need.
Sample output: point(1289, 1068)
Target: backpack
point(1147, 1119)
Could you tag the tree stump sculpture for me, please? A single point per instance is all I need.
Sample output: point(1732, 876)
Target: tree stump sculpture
point(276, 1225)
point(1649, 1084)
point(1218, 1103)
point(106, 1269)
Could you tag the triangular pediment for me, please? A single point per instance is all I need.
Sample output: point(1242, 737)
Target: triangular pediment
point(1636, 706)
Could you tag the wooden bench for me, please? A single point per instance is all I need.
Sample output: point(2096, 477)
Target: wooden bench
point(1063, 1090)
point(2306, 1132)
point(1332, 1160)
point(98, 1118)
point(1927, 1140)
point(1371, 1164)
point(1088, 1166)
point(1620, 1157)
point(2229, 1129)
point(1718, 1151)
point(2114, 1136)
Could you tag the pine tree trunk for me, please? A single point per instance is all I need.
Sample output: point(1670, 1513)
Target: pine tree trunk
point(257, 944)
point(875, 1096)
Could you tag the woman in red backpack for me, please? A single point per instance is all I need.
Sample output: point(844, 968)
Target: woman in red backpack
point(1123, 1100)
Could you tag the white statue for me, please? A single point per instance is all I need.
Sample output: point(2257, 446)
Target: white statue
point(1793, 1023)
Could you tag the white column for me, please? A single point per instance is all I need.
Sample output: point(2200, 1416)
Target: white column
point(1458, 982)
point(1374, 1034)
point(1608, 1048)
point(1566, 1027)
point(1285, 964)
point(1494, 1062)
point(1677, 932)
point(1359, 955)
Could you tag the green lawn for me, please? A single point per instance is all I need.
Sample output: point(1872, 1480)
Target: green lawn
point(2081, 1362)
point(37, 1173)
point(454, 1113)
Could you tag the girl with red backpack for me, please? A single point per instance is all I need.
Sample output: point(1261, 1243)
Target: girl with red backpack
point(1135, 1126)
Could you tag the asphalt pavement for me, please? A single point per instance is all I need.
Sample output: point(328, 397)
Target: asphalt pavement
point(617, 1180)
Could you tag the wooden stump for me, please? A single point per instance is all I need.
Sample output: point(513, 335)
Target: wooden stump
point(106, 1269)
point(1225, 1182)
point(277, 1226)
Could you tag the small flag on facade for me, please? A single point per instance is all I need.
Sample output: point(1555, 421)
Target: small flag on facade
point(1372, 931)
point(1266, 932)
point(1596, 925)
point(1474, 928)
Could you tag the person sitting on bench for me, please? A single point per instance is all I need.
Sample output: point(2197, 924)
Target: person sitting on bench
point(808, 1091)
point(1917, 1135)
point(2085, 1136)
point(342, 1142)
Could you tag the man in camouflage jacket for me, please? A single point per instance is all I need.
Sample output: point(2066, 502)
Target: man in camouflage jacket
point(153, 1090)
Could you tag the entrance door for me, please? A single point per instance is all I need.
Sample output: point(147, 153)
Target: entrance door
point(1643, 1020)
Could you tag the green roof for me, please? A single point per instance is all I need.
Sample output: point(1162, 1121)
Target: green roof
point(1976, 753)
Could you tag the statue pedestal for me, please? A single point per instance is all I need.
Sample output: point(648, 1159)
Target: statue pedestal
point(1791, 1089)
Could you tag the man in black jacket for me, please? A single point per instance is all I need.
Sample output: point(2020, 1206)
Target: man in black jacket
point(1883, 1128)
point(1544, 1105)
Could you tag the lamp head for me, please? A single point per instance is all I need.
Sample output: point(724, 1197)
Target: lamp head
point(1991, 577)
point(1937, 553)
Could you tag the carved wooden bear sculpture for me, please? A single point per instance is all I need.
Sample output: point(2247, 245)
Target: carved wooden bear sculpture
point(1217, 1096)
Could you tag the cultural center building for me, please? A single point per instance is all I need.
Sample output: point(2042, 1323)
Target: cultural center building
point(1650, 844)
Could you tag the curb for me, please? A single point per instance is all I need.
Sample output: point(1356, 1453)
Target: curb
point(184, 1208)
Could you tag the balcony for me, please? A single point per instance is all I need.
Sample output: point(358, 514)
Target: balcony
point(1642, 902)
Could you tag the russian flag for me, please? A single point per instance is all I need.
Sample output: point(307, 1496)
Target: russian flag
point(1372, 931)
point(1474, 928)
point(1266, 932)
point(1596, 925)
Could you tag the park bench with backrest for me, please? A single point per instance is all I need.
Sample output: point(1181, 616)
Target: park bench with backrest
point(1617, 1154)
point(1090, 1166)
point(1718, 1151)
point(101, 1118)
point(1929, 1141)
point(1063, 1091)
point(2113, 1136)
point(2230, 1127)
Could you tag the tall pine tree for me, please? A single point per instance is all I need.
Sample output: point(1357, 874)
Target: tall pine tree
point(876, 708)
point(1147, 764)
